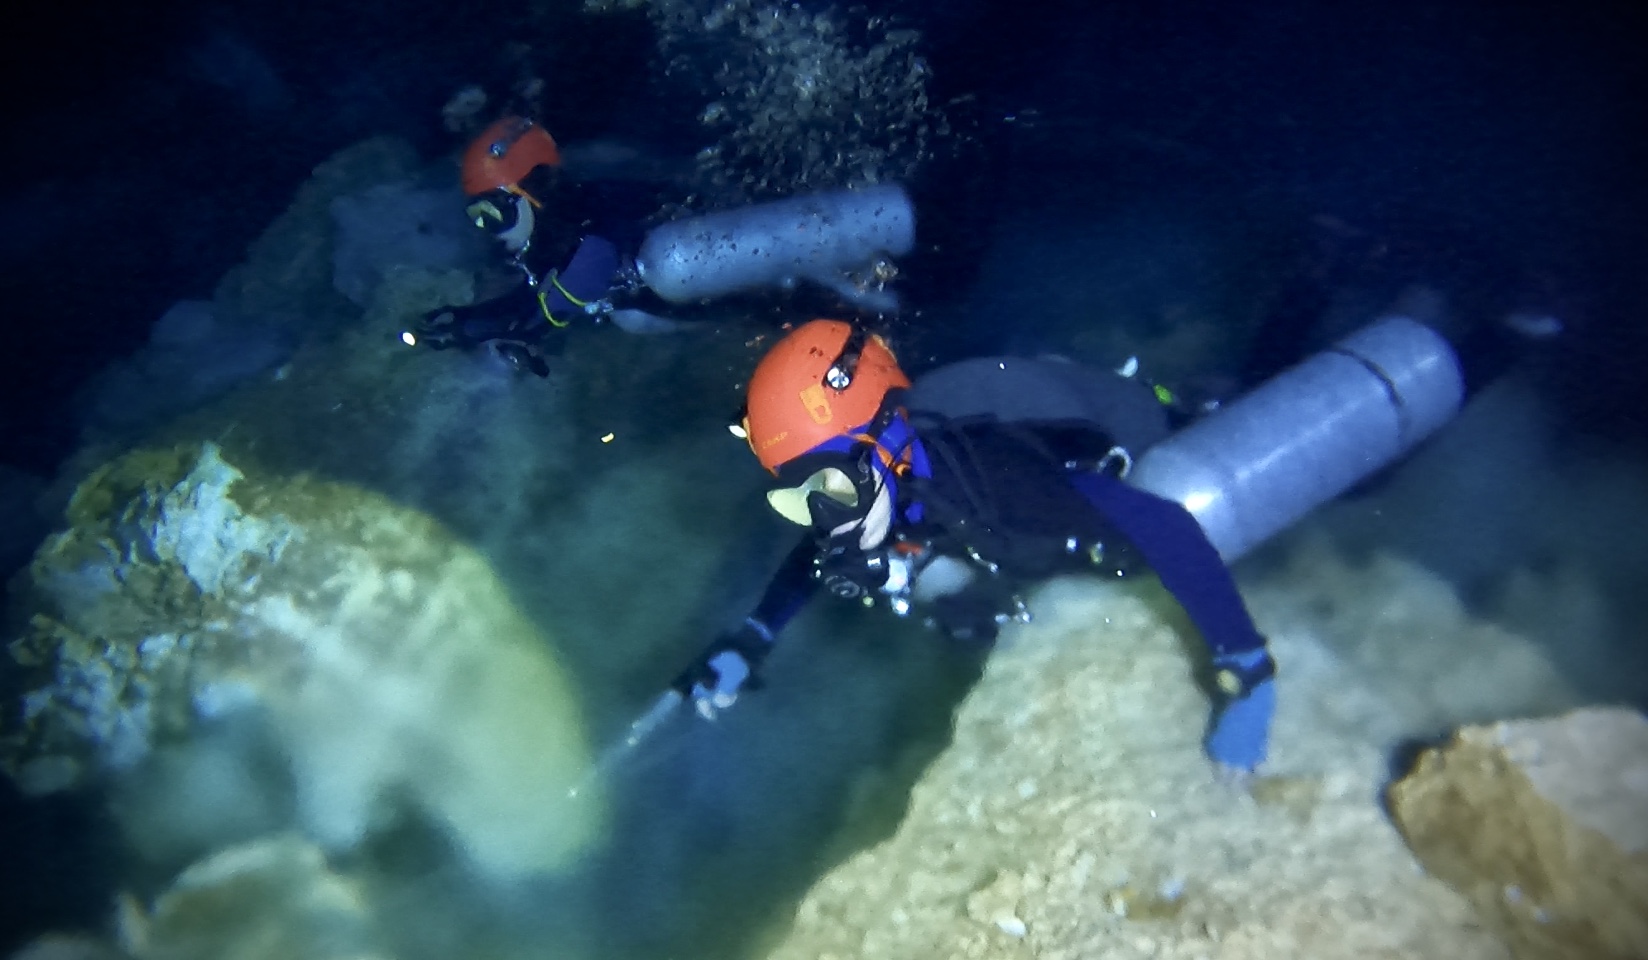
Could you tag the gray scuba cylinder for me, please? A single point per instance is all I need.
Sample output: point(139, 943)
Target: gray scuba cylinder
point(838, 239)
point(1308, 434)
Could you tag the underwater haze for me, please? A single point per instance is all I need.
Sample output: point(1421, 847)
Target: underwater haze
point(321, 645)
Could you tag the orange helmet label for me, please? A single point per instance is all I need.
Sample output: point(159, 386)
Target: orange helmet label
point(817, 403)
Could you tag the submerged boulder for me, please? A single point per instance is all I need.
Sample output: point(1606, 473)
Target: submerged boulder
point(1544, 825)
point(194, 354)
point(1075, 815)
point(270, 899)
point(1406, 656)
point(380, 657)
point(401, 225)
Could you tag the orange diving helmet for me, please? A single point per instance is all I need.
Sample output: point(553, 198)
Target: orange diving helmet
point(824, 380)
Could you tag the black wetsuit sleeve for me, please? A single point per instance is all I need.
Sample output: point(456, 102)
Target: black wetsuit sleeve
point(788, 591)
point(512, 316)
point(1176, 548)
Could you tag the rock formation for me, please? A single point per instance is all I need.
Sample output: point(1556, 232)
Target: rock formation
point(1544, 825)
point(1076, 816)
point(381, 659)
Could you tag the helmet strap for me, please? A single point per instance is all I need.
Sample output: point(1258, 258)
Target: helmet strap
point(517, 190)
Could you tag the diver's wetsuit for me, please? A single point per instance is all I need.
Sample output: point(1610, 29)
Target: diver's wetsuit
point(528, 310)
point(1021, 498)
point(574, 259)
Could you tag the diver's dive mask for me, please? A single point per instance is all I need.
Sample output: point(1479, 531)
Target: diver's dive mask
point(505, 214)
point(846, 489)
point(826, 495)
point(849, 508)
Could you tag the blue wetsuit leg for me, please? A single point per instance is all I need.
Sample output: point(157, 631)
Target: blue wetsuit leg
point(1174, 545)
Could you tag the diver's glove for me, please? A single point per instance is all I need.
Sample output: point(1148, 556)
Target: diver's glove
point(523, 357)
point(1241, 730)
point(437, 329)
point(513, 316)
point(727, 666)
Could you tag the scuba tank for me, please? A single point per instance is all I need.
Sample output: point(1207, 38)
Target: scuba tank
point(838, 239)
point(1308, 434)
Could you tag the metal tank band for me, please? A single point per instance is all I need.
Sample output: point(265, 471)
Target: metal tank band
point(1308, 434)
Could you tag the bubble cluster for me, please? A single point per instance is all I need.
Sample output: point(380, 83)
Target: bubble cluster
point(797, 99)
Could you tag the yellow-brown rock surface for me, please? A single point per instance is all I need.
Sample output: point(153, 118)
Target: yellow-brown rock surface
point(1544, 824)
point(1076, 815)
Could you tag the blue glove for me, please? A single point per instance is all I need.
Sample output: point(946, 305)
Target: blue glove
point(1241, 731)
point(725, 668)
point(730, 672)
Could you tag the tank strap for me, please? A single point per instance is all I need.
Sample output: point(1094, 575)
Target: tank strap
point(582, 284)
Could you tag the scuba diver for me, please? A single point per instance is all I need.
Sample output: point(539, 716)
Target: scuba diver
point(582, 252)
point(959, 512)
point(511, 175)
point(956, 493)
